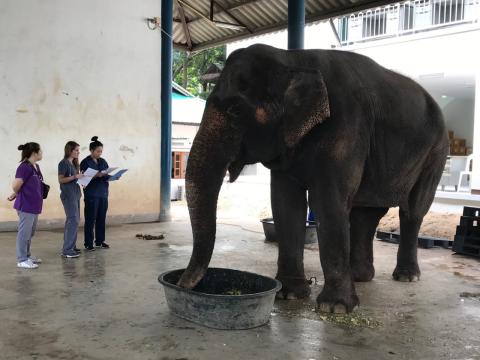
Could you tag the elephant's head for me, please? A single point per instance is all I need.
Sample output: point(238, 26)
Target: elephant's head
point(265, 102)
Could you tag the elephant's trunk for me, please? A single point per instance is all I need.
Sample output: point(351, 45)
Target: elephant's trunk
point(212, 150)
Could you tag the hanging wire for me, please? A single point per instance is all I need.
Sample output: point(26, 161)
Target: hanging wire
point(163, 31)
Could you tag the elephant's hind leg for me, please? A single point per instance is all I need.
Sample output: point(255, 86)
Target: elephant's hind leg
point(407, 268)
point(289, 207)
point(420, 198)
point(363, 223)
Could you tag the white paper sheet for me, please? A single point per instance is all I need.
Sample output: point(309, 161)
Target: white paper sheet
point(87, 177)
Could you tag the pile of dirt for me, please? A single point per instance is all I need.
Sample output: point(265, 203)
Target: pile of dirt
point(437, 225)
point(150, 237)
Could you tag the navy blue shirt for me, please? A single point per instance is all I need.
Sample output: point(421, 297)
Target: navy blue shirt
point(98, 187)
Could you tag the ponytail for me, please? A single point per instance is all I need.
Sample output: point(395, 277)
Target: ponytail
point(28, 149)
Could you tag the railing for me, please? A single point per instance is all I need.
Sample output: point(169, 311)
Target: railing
point(406, 18)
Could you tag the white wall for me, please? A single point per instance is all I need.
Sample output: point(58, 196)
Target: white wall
point(73, 69)
point(459, 115)
point(184, 131)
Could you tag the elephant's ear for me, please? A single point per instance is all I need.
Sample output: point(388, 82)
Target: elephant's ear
point(306, 104)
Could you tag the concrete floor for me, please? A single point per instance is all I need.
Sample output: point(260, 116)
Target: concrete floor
point(108, 304)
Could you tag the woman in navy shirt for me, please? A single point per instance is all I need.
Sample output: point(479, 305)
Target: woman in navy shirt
point(95, 197)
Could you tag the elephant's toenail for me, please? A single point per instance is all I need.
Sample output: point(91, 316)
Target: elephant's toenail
point(324, 307)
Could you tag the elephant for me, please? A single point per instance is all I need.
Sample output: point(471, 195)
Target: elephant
point(356, 137)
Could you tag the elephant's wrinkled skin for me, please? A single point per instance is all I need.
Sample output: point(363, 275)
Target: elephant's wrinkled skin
point(360, 138)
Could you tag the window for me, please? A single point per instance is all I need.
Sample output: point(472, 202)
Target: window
point(179, 164)
point(407, 12)
point(374, 24)
point(343, 29)
point(446, 11)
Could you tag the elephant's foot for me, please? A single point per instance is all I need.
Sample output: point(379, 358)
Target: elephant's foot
point(362, 272)
point(406, 273)
point(293, 288)
point(337, 300)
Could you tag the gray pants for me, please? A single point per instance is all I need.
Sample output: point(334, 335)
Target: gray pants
point(72, 211)
point(26, 230)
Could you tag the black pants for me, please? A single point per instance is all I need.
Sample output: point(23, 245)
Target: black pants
point(95, 214)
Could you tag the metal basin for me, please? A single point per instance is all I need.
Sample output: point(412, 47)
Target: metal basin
point(270, 236)
point(224, 298)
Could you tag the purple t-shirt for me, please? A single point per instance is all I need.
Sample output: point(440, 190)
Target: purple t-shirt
point(30, 197)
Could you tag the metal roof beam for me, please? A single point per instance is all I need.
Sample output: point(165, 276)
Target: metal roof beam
point(184, 24)
point(227, 11)
point(195, 10)
point(241, 5)
point(335, 32)
point(211, 15)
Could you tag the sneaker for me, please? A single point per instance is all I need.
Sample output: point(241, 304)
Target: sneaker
point(70, 256)
point(77, 250)
point(103, 246)
point(89, 248)
point(27, 264)
point(35, 260)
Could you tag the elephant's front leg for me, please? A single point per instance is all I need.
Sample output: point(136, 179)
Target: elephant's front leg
point(289, 207)
point(332, 215)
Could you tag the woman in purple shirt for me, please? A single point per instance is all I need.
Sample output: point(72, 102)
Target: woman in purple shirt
point(28, 196)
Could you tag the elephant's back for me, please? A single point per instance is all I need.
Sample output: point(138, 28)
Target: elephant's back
point(402, 123)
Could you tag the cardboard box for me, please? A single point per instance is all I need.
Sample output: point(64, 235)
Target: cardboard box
point(459, 142)
point(458, 150)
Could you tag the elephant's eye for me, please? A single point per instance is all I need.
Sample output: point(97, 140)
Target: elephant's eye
point(242, 84)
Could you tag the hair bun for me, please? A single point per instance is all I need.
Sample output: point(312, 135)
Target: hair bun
point(95, 138)
point(21, 147)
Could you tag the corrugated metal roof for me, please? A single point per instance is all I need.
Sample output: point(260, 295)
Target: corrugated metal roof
point(181, 90)
point(195, 28)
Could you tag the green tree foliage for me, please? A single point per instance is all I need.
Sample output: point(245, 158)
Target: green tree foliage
point(188, 68)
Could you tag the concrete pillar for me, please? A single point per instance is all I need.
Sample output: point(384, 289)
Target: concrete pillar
point(166, 110)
